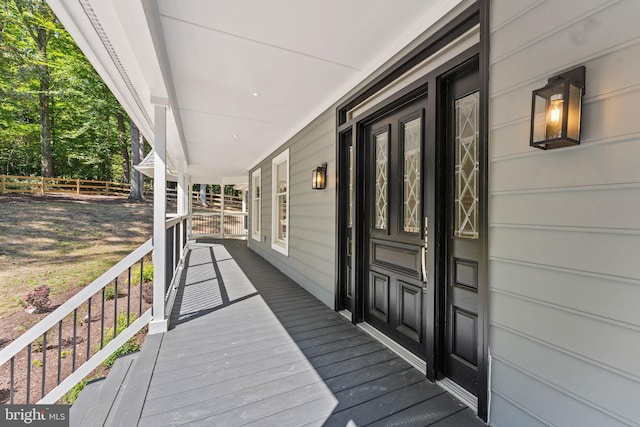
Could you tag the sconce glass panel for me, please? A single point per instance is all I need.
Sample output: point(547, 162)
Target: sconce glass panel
point(574, 113)
point(548, 112)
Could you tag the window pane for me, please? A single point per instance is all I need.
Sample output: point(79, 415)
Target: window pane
point(411, 199)
point(282, 217)
point(282, 177)
point(382, 168)
point(255, 205)
point(466, 167)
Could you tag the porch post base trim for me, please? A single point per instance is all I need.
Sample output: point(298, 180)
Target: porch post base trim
point(158, 326)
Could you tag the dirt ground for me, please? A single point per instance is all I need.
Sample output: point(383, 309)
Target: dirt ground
point(65, 242)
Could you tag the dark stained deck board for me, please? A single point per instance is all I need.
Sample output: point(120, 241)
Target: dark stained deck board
point(248, 346)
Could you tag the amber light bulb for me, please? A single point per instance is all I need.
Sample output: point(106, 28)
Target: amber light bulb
point(554, 117)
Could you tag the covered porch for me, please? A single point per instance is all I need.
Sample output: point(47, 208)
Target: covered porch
point(247, 346)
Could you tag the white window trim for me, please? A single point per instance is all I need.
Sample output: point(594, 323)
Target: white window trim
point(281, 246)
point(255, 232)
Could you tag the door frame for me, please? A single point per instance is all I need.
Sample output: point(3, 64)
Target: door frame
point(477, 14)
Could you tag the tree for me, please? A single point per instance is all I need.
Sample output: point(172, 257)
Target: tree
point(124, 147)
point(203, 194)
point(40, 23)
point(137, 151)
point(56, 114)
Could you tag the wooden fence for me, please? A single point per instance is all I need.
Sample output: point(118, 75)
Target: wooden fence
point(40, 185)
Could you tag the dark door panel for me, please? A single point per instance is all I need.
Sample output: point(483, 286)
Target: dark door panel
point(394, 294)
point(460, 223)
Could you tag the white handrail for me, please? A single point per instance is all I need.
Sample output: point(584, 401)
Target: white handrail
point(174, 220)
point(74, 302)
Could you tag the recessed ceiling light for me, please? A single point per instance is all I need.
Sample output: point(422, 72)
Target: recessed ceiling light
point(235, 135)
point(256, 94)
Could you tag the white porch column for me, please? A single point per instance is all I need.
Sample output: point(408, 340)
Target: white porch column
point(222, 209)
point(182, 201)
point(181, 189)
point(159, 322)
point(245, 218)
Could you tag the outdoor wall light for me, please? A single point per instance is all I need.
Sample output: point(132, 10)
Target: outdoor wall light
point(556, 110)
point(319, 177)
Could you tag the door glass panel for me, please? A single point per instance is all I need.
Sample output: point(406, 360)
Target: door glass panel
point(382, 180)
point(411, 199)
point(466, 167)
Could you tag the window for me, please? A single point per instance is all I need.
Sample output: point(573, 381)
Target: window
point(280, 226)
point(256, 204)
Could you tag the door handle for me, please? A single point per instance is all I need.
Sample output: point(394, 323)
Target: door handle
point(423, 255)
point(423, 264)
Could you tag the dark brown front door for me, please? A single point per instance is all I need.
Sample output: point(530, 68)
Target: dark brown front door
point(462, 216)
point(394, 296)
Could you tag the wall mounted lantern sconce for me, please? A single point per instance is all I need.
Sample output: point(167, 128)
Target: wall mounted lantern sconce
point(556, 111)
point(319, 177)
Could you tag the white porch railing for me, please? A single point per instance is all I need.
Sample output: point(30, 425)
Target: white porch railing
point(78, 336)
point(216, 224)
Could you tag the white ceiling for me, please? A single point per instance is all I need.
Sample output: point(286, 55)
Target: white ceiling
point(209, 57)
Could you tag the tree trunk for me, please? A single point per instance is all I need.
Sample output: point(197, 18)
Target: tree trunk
point(203, 194)
point(137, 180)
point(124, 148)
point(45, 112)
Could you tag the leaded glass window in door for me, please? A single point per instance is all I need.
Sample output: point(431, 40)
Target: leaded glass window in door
point(412, 131)
point(381, 180)
point(466, 167)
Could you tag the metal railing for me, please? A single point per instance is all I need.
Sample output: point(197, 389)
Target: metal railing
point(80, 334)
point(216, 224)
point(176, 229)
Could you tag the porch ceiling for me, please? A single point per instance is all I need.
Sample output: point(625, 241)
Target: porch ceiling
point(210, 57)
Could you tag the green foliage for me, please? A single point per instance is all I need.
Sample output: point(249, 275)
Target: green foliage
point(70, 397)
point(85, 137)
point(65, 353)
point(36, 362)
point(110, 293)
point(130, 346)
point(147, 274)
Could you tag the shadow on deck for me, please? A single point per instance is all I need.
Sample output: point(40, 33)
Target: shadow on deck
point(250, 347)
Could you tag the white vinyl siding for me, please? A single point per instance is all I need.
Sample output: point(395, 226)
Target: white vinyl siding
point(256, 204)
point(564, 229)
point(280, 203)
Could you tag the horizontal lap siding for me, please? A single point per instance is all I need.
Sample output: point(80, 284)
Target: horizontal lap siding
point(311, 212)
point(564, 224)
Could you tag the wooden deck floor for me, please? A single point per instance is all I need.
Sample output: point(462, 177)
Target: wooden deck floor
point(250, 347)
